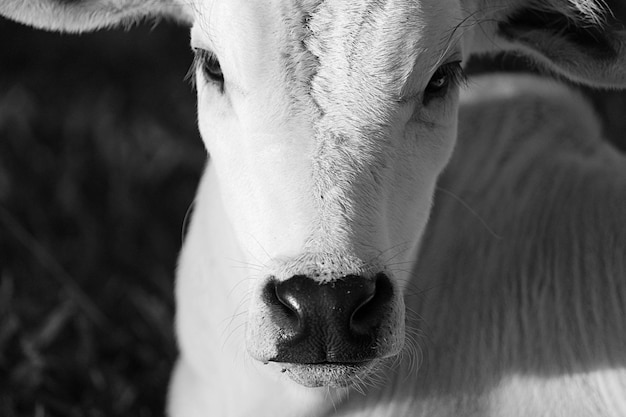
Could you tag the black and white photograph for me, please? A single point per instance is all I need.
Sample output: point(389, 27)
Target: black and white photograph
point(312, 208)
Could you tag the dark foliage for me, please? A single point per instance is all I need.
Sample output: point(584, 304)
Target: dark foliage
point(99, 159)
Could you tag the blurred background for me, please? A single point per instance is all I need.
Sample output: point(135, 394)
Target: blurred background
point(99, 160)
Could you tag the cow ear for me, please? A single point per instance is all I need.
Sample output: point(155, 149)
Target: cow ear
point(584, 40)
point(88, 15)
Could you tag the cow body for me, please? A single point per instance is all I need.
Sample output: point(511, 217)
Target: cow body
point(523, 267)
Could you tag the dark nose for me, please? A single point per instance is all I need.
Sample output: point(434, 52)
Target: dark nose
point(334, 322)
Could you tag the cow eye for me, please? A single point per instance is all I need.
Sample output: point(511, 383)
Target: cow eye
point(447, 75)
point(208, 63)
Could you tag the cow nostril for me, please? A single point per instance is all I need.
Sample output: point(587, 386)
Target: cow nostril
point(366, 316)
point(285, 307)
point(337, 321)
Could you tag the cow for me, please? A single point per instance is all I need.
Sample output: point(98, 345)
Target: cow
point(328, 123)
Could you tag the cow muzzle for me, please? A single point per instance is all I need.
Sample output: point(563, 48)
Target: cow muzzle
point(327, 333)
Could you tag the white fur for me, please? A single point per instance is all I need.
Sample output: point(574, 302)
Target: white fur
point(525, 258)
point(324, 158)
point(496, 340)
point(80, 16)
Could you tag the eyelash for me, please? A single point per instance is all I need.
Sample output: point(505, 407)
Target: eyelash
point(208, 63)
point(453, 75)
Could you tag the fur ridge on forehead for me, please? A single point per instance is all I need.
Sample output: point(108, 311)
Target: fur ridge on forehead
point(360, 75)
point(300, 64)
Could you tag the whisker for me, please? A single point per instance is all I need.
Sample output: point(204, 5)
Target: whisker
point(243, 281)
point(471, 210)
point(232, 332)
point(262, 248)
point(330, 396)
point(186, 221)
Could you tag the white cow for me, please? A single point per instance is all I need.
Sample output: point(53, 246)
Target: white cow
point(523, 264)
point(328, 123)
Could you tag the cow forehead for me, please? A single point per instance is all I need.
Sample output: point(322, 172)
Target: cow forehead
point(379, 42)
point(331, 49)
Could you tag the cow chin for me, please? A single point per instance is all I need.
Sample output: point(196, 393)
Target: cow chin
point(332, 375)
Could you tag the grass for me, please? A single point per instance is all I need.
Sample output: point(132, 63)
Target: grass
point(99, 160)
